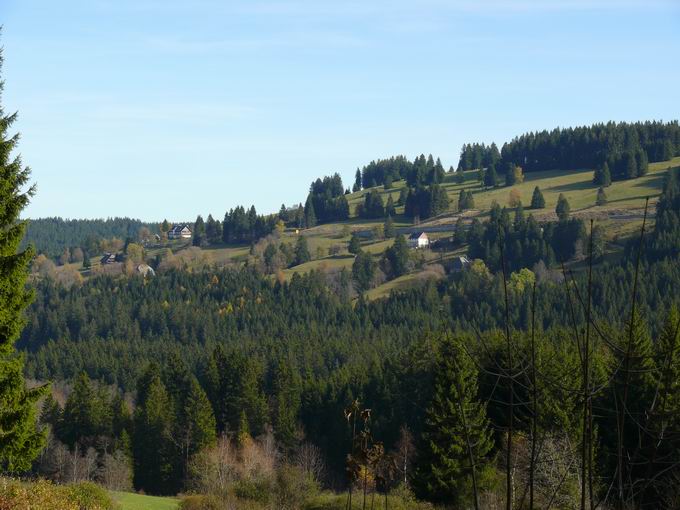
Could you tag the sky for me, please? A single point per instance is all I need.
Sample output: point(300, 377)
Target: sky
point(167, 109)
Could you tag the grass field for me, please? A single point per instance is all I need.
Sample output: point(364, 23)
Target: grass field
point(132, 501)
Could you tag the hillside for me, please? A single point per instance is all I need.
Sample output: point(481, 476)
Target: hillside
point(621, 216)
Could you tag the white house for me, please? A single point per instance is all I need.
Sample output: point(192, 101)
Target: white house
point(418, 240)
point(179, 232)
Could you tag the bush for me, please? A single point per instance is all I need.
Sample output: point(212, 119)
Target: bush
point(259, 490)
point(293, 488)
point(44, 495)
point(200, 502)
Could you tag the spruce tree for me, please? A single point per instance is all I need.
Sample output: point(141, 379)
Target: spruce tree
point(310, 214)
point(389, 208)
point(601, 197)
point(195, 424)
point(20, 440)
point(490, 178)
point(389, 228)
point(456, 434)
point(302, 254)
point(199, 232)
point(87, 263)
point(354, 245)
point(537, 200)
point(563, 208)
point(363, 271)
point(357, 181)
point(287, 401)
point(153, 441)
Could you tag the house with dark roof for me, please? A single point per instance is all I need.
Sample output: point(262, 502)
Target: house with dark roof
point(460, 263)
point(108, 258)
point(418, 240)
point(179, 232)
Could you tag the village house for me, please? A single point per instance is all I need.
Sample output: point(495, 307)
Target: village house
point(418, 240)
point(108, 258)
point(179, 232)
point(460, 263)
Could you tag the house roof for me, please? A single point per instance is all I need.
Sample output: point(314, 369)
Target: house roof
point(460, 262)
point(417, 235)
point(180, 228)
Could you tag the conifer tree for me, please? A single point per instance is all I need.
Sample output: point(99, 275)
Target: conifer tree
point(389, 228)
point(357, 181)
point(389, 208)
point(490, 178)
point(199, 232)
point(363, 271)
point(20, 440)
point(310, 214)
point(153, 442)
point(165, 226)
point(397, 257)
point(354, 245)
point(456, 438)
point(537, 200)
point(601, 196)
point(196, 424)
point(602, 175)
point(302, 254)
point(286, 390)
point(87, 263)
point(562, 208)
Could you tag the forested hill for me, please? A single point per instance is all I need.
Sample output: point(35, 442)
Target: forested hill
point(52, 236)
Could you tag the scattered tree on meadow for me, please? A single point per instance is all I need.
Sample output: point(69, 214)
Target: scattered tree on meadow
point(602, 175)
point(363, 271)
point(354, 245)
point(562, 208)
point(601, 196)
point(537, 200)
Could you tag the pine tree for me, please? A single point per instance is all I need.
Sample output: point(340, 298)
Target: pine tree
point(389, 228)
point(601, 197)
point(456, 434)
point(20, 441)
point(537, 200)
point(563, 208)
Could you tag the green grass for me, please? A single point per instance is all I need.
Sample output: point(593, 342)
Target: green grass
point(132, 501)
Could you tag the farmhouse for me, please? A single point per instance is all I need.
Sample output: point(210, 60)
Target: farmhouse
point(179, 232)
point(108, 258)
point(460, 263)
point(418, 240)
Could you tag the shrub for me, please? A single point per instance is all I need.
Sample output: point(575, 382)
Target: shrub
point(200, 502)
point(293, 487)
point(44, 495)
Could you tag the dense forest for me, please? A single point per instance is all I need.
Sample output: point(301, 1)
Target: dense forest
point(235, 351)
point(625, 148)
point(52, 236)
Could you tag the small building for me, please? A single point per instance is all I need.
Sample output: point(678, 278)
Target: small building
point(179, 232)
point(108, 258)
point(418, 240)
point(460, 263)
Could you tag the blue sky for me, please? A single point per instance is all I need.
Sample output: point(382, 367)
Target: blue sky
point(167, 109)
